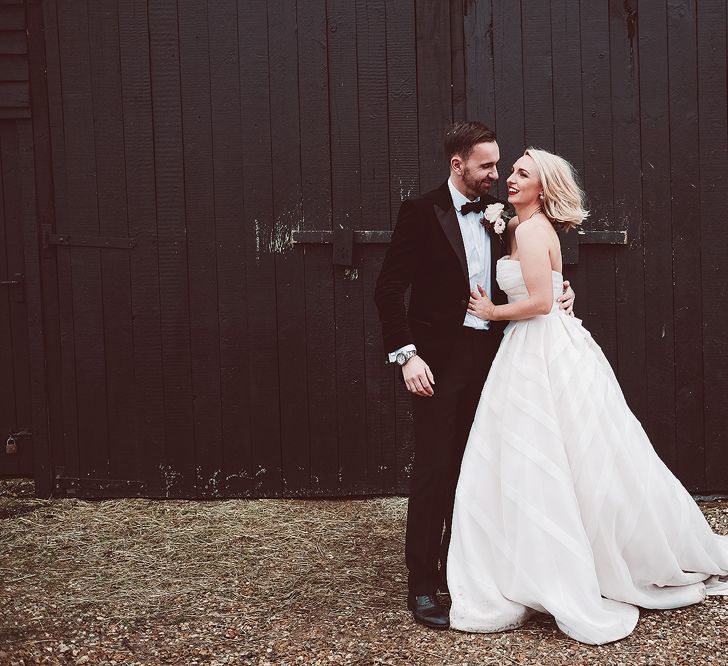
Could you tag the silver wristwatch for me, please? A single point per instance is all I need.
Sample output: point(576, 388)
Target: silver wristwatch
point(403, 357)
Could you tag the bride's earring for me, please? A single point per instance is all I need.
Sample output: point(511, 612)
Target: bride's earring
point(540, 196)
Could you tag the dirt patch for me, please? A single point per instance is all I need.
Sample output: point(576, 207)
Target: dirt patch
point(263, 581)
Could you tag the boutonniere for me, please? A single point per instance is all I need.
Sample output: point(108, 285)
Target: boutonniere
point(495, 218)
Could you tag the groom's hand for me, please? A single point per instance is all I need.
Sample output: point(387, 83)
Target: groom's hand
point(566, 300)
point(418, 377)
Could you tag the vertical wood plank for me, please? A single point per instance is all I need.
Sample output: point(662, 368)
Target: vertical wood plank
point(177, 470)
point(375, 178)
point(148, 421)
point(231, 240)
point(108, 133)
point(201, 244)
point(509, 114)
point(685, 212)
point(347, 206)
point(537, 76)
point(8, 464)
point(37, 455)
point(85, 263)
point(289, 263)
point(434, 97)
point(20, 416)
point(404, 183)
point(480, 62)
point(713, 137)
point(659, 337)
point(457, 60)
point(630, 296)
point(598, 168)
point(567, 118)
point(260, 243)
point(41, 271)
point(319, 273)
point(58, 301)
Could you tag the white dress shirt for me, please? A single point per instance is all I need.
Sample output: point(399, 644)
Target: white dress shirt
point(477, 253)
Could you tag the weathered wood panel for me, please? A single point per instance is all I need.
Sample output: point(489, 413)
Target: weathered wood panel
point(15, 394)
point(217, 357)
point(713, 183)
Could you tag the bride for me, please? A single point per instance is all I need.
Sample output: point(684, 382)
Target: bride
point(562, 505)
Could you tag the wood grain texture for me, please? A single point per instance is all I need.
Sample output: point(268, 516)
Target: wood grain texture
point(195, 45)
point(316, 198)
point(289, 263)
point(40, 275)
point(375, 178)
point(509, 87)
point(219, 358)
point(656, 209)
point(112, 210)
point(713, 139)
point(686, 263)
point(177, 470)
point(347, 214)
point(231, 238)
point(598, 174)
point(434, 96)
point(629, 261)
point(144, 282)
point(264, 466)
point(479, 59)
point(84, 278)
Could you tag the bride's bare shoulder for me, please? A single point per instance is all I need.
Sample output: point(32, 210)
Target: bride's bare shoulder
point(530, 226)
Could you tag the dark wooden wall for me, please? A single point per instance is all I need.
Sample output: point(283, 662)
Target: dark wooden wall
point(16, 202)
point(194, 349)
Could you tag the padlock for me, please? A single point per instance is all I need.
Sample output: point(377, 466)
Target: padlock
point(11, 446)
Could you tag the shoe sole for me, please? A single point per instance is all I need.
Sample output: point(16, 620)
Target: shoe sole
point(436, 627)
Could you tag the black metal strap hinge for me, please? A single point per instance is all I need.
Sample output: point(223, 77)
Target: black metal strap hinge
point(78, 240)
point(18, 281)
point(343, 241)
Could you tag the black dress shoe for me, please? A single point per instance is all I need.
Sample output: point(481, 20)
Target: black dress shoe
point(426, 609)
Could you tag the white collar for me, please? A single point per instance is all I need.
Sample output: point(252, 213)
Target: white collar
point(458, 198)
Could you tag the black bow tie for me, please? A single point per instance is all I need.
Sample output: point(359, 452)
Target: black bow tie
point(472, 207)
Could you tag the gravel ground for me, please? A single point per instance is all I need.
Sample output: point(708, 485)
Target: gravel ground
point(264, 582)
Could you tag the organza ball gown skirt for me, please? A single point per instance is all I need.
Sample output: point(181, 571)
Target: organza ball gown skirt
point(562, 505)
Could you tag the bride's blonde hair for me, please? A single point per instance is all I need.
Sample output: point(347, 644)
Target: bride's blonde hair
point(563, 200)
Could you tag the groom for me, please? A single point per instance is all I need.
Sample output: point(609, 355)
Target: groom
point(443, 251)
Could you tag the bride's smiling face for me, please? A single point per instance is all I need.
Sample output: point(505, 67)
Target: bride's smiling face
point(524, 185)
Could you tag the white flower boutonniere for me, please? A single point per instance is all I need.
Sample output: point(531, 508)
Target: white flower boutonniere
point(495, 218)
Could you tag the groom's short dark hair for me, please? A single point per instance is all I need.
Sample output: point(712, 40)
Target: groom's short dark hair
point(461, 138)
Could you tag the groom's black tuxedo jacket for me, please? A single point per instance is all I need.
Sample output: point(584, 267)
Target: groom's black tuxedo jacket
point(427, 253)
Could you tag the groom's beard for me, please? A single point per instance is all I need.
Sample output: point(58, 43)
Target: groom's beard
point(477, 187)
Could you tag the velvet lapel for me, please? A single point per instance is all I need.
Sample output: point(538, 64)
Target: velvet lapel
point(448, 219)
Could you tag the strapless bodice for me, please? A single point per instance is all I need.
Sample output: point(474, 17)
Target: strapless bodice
point(510, 280)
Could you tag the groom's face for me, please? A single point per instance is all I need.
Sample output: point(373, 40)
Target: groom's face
point(479, 171)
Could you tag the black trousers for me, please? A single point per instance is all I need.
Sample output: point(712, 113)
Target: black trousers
point(442, 424)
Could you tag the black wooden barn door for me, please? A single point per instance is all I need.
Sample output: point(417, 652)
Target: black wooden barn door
point(634, 95)
point(16, 455)
point(225, 178)
point(100, 261)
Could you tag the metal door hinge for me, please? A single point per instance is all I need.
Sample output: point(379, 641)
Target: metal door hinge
point(79, 240)
point(18, 281)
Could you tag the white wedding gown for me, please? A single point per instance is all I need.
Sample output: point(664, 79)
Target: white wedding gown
point(562, 504)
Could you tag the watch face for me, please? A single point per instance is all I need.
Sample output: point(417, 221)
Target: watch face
point(401, 358)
